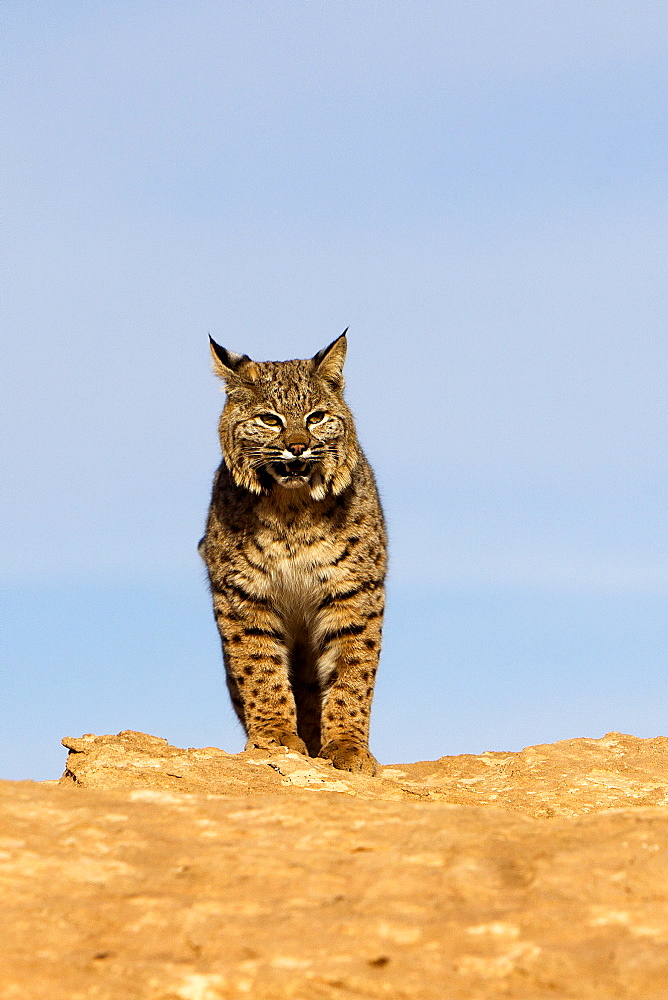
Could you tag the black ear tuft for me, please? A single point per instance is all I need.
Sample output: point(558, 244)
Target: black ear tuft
point(328, 363)
point(321, 355)
point(227, 359)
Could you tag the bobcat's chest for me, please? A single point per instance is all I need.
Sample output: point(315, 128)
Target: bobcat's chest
point(296, 564)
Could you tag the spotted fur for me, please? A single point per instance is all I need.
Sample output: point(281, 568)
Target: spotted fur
point(295, 548)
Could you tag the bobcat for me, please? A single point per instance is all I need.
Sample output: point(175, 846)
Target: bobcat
point(295, 548)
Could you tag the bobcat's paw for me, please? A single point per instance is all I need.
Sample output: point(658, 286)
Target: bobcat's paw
point(348, 755)
point(276, 738)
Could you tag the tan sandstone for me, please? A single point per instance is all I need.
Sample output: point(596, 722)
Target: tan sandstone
point(159, 873)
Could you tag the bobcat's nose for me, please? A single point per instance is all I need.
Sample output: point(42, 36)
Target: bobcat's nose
point(296, 440)
point(296, 446)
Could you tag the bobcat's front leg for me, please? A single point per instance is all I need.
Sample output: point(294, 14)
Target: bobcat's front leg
point(351, 661)
point(256, 661)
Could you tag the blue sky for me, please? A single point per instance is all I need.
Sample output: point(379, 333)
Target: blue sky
point(479, 191)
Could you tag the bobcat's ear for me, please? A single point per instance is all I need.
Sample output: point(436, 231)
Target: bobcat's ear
point(226, 364)
point(328, 363)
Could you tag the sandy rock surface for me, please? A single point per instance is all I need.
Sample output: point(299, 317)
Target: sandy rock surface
point(568, 778)
point(165, 874)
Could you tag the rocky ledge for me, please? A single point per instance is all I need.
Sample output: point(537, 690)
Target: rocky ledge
point(157, 873)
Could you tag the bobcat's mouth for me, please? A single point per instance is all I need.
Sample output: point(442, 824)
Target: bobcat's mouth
point(291, 474)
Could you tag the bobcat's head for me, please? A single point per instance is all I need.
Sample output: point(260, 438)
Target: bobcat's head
point(285, 423)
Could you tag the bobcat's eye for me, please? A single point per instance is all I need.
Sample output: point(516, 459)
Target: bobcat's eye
point(270, 419)
point(316, 418)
